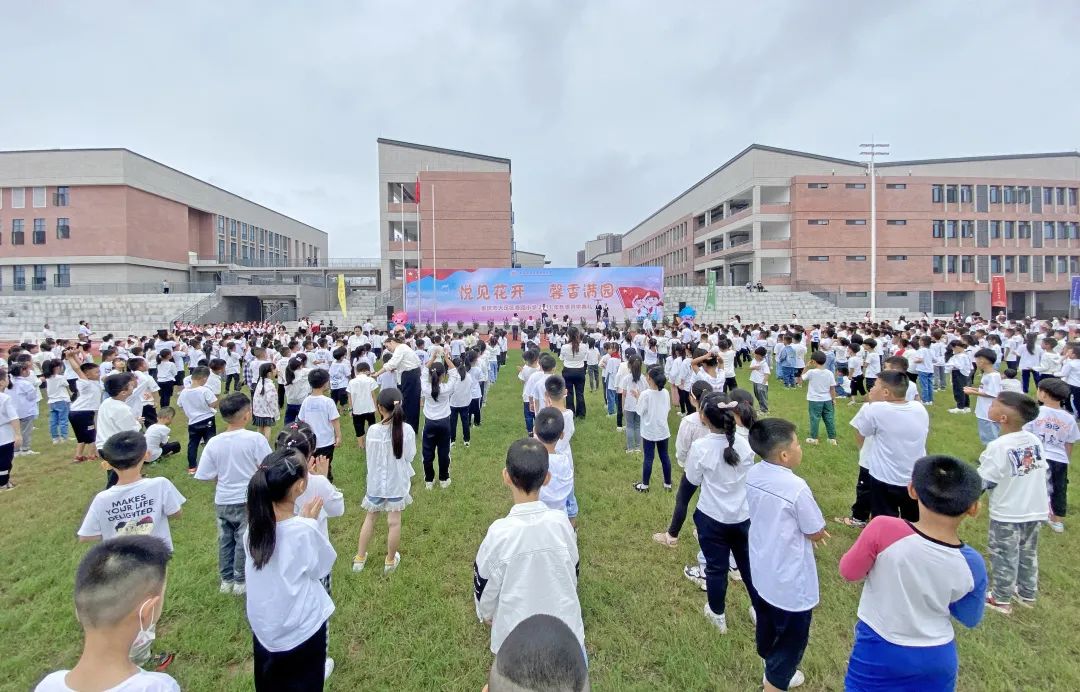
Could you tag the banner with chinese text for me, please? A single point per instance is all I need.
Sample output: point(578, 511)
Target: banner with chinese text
point(480, 295)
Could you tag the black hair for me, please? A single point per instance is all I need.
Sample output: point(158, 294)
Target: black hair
point(745, 409)
point(340, 352)
point(555, 386)
point(527, 461)
point(390, 400)
point(435, 372)
point(896, 382)
point(656, 374)
point(200, 373)
point(297, 435)
point(1026, 407)
point(116, 576)
point(49, 367)
point(318, 378)
point(264, 372)
point(634, 364)
point(547, 362)
point(767, 434)
point(898, 363)
point(549, 425)
point(1055, 387)
point(716, 410)
point(574, 334)
point(163, 353)
point(1010, 373)
point(540, 653)
point(946, 485)
point(166, 412)
point(761, 351)
point(232, 405)
point(124, 449)
point(87, 367)
point(699, 389)
point(818, 357)
point(1029, 342)
point(530, 356)
point(117, 382)
point(988, 354)
point(295, 363)
point(271, 483)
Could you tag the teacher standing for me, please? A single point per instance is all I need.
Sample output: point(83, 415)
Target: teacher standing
point(406, 368)
point(573, 355)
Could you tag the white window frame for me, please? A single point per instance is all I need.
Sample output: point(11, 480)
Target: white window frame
point(34, 196)
point(18, 198)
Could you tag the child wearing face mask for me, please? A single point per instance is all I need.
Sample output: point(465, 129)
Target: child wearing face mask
point(119, 597)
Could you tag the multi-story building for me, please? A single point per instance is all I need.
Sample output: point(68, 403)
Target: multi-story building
point(72, 217)
point(798, 221)
point(603, 251)
point(463, 218)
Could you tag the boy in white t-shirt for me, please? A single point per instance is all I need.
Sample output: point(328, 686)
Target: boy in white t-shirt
point(135, 506)
point(759, 377)
point(821, 397)
point(1013, 468)
point(361, 392)
point(1058, 431)
point(988, 390)
point(321, 413)
point(525, 373)
point(550, 431)
point(157, 436)
point(119, 598)
point(199, 405)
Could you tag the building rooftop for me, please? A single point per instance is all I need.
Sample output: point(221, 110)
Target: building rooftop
point(441, 150)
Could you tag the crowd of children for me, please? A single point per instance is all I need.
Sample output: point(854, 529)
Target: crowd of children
point(756, 520)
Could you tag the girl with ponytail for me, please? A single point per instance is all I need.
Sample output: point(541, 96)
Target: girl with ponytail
point(718, 464)
point(287, 556)
point(436, 396)
point(391, 448)
point(653, 406)
point(460, 403)
point(300, 437)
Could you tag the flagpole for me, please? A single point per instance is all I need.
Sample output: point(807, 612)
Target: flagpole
point(419, 257)
point(434, 264)
point(404, 275)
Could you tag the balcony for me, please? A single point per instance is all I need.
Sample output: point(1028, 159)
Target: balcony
point(299, 262)
point(742, 214)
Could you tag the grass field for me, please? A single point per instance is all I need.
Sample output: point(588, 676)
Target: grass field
point(417, 630)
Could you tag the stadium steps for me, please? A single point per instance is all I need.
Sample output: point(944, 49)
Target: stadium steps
point(771, 307)
point(24, 317)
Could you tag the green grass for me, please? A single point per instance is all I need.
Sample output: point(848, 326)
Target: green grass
point(417, 630)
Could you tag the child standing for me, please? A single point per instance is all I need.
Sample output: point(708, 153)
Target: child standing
point(59, 399)
point(231, 459)
point(653, 406)
point(525, 373)
point(631, 385)
point(528, 561)
point(339, 376)
point(10, 433)
point(321, 413)
point(871, 363)
point(166, 375)
point(988, 390)
point(1058, 431)
point(287, 557)
point(361, 397)
point(199, 405)
point(759, 377)
point(436, 394)
point(264, 399)
point(691, 428)
point(297, 387)
point(461, 401)
point(84, 409)
point(390, 451)
point(26, 394)
point(924, 367)
point(157, 436)
point(611, 385)
point(785, 524)
point(550, 431)
point(821, 398)
point(961, 367)
point(1013, 469)
point(917, 576)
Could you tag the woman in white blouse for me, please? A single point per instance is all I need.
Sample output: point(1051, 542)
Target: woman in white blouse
point(573, 355)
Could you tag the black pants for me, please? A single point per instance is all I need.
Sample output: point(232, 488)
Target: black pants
point(410, 397)
point(169, 448)
point(198, 433)
point(474, 409)
point(1074, 400)
point(460, 413)
point(299, 669)
point(887, 500)
point(1059, 484)
point(281, 396)
point(575, 390)
point(959, 381)
point(234, 380)
point(730, 383)
point(149, 414)
point(7, 457)
point(166, 392)
point(781, 638)
point(685, 407)
point(719, 541)
point(683, 495)
point(328, 452)
point(618, 410)
point(861, 508)
point(436, 439)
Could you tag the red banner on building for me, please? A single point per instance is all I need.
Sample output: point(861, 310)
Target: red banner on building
point(997, 292)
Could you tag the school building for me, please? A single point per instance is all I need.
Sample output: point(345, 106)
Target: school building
point(797, 221)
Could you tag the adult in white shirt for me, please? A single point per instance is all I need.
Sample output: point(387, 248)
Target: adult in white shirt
point(406, 368)
point(573, 355)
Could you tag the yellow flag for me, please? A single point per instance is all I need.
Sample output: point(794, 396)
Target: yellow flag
point(341, 295)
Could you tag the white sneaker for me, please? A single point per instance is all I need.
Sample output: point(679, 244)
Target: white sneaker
point(956, 410)
point(753, 615)
point(239, 588)
point(226, 587)
point(1056, 526)
point(466, 444)
point(387, 569)
point(328, 668)
point(694, 574)
point(796, 680)
point(720, 621)
point(31, 452)
point(444, 484)
point(428, 485)
point(967, 410)
point(734, 574)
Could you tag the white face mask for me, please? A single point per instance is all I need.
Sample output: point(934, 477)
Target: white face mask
point(140, 647)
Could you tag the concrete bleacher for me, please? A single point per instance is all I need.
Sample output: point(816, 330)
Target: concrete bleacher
point(360, 307)
point(24, 317)
point(771, 307)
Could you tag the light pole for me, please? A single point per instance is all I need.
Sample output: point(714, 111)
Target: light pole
point(873, 150)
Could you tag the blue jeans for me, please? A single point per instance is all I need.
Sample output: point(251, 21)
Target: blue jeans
point(660, 448)
point(529, 417)
point(988, 430)
point(609, 396)
point(58, 419)
point(926, 386)
point(633, 430)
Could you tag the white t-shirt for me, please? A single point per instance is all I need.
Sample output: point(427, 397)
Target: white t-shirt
point(990, 384)
point(653, 405)
point(195, 401)
point(819, 384)
point(114, 416)
point(143, 681)
point(56, 389)
point(558, 489)
point(1016, 464)
point(360, 389)
point(156, 435)
point(333, 500)
point(389, 476)
point(723, 486)
point(90, 393)
point(141, 508)
point(759, 371)
point(319, 412)
point(782, 514)
point(900, 432)
point(232, 457)
point(286, 603)
point(1056, 428)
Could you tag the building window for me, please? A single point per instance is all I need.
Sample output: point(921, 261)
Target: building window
point(62, 196)
point(37, 197)
point(19, 276)
point(965, 194)
point(1025, 264)
point(896, 222)
point(1062, 232)
point(856, 294)
point(1074, 265)
point(63, 228)
point(1048, 195)
point(221, 249)
point(1048, 264)
point(1060, 196)
point(818, 258)
point(995, 229)
point(856, 222)
point(1072, 196)
point(855, 186)
point(1063, 264)
point(896, 258)
point(39, 277)
point(818, 222)
point(936, 194)
point(39, 232)
point(17, 236)
point(62, 278)
point(18, 198)
point(967, 229)
point(939, 264)
point(410, 234)
point(1073, 229)
point(1023, 195)
point(818, 186)
point(967, 264)
point(950, 229)
point(895, 186)
point(1010, 228)
point(995, 264)
point(1023, 229)
point(1008, 194)
point(400, 193)
point(939, 229)
point(950, 194)
point(952, 264)
point(995, 194)
point(1048, 230)
point(856, 258)
point(896, 294)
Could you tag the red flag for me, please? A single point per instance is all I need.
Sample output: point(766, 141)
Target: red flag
point(997, 292)
point(416, 190)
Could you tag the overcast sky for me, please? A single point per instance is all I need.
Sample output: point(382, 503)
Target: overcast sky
point(608, 108)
